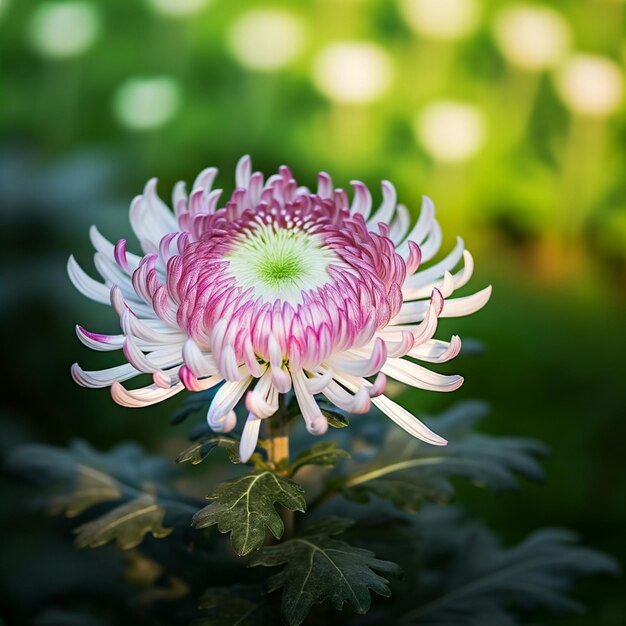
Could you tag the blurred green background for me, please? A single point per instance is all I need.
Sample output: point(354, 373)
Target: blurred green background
point(510, 116)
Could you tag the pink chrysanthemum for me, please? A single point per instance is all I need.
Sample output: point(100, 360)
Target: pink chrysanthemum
point(278, 289)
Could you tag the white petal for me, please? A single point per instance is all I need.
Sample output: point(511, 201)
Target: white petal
point(99, 342)
point(358, 403)
point(362, 202)
point(85, 284)
point(249, 437)
point(401, 417)
point(458, 307)
point(400, 225)
point(163, 358)
point(137, 398)
point(151, 331)
point(225, 423)
point(243, 171)
point(150, 218)
point(408, 422)
point(422, 226)
point(435, 351)
point(431, 246)
point(426, 276)
point(417, 376)
point(354, 362)
point(316, 384)
point(105, 247)
point(114, 275)
point(262, 401)
point(199, 363)
point(458, 281)
point(205, 179)
point(384, 213)
point(413, 312)
point(103, 378)
point(226, 399)
point(316, 423)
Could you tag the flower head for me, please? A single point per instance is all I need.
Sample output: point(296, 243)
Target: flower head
point(278, 289)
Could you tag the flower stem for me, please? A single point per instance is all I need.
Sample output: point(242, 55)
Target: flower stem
point(277, 428)
point(277, 440)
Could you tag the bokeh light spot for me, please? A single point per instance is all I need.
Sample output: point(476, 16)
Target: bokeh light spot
point(450, 131)
point(532, 37)
point(353, 72)
point(591, 85)
point(177, 8)
point(63, 29)
point(4, 5)
point(442, 19)
point(266, 40)
point(146, 103)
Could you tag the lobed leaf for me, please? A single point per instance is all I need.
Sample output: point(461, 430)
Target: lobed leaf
point(408, 471)
point(324, 454)
point(405, 492)
point(244, 507)
point(200, 449)
point(320, 568)
point(486, 580)
point(90, 487)
point(127, 524)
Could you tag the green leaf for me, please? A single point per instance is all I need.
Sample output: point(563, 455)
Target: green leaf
point(245, 508)
point(485, 580)
point(79, 477)
point(325, 454)
point(408, 471)
point(199, 450)
point(90, 487)
point(335, 419)
point(319, 568)
point(126, 524)
point(403, 491)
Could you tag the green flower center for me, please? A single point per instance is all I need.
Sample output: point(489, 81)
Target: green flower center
point(279, 263)
point(280, 267)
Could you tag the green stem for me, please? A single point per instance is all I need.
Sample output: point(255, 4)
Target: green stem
point(277, 439)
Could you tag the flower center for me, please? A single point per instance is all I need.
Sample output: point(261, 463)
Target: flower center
point(279, 263)
point(276, 269)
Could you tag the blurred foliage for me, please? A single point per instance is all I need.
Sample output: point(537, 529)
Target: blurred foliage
point(541, 204)
point(183, 574)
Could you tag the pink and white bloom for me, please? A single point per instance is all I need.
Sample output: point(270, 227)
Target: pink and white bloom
point(277, 289)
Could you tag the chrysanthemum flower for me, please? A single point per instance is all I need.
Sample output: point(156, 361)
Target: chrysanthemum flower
point(278, 289)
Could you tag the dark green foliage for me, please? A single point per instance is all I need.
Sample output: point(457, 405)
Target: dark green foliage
point(324, 454)
point(486, 580)
point(245, 508)
point(200, 449)
point(127, 464)
point(319, 568)
point(335, 418)
point(126, 524)
point(456, 572)
point(80, 478)
point(408, 471)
